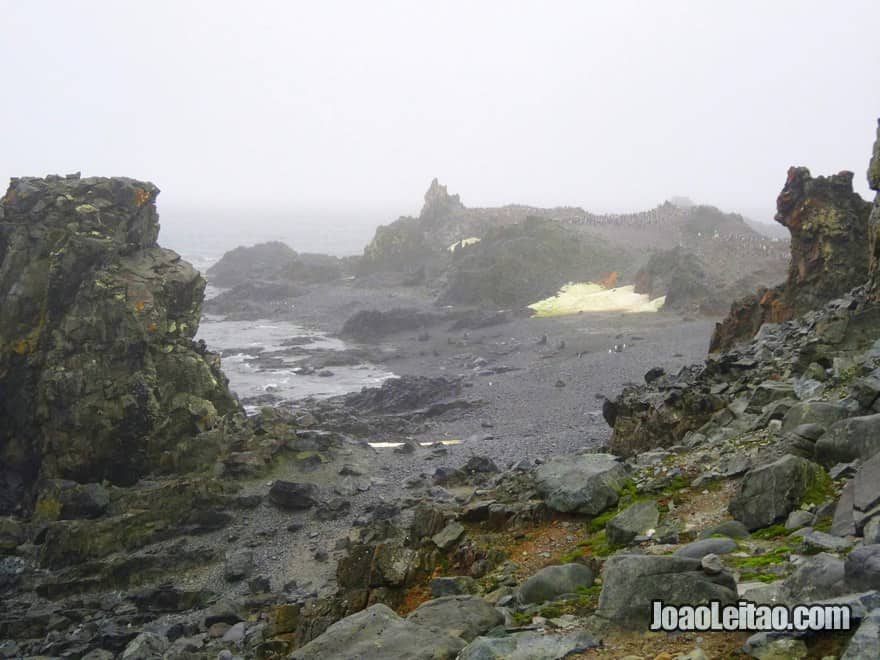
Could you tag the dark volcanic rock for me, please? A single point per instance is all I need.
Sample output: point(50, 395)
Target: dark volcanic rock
point(371, 324)
point(99, 375)
point(263, 278)
point(661, 414)
point(403, 394)
point(829, 254)
point(874, 219)
point(291, 495)
point(253, 299)
point(264, 261)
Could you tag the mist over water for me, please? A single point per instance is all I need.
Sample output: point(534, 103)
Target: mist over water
point(204, 235)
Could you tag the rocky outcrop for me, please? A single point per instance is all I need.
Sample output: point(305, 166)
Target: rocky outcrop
point(369, 325)
point(523, 263)
point(829, 254)
point(439, 203)
point(690, 286)
point(874, 220)
point(677, 274)
point(273, 261)
point(264, 261)
point(99, 376)
point(660, 414)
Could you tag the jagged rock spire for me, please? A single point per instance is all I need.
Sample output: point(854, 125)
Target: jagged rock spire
point(438, 202)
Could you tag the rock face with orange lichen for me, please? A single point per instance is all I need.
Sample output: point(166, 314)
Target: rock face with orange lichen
point(99, 375)
point(828, 222)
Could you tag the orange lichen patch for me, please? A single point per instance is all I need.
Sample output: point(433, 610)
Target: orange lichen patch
point(413, 597)
point(153, 326)
point(541, 545)
point(139, 305)
point(23, 346)
point(609, 279)
point(141, 196)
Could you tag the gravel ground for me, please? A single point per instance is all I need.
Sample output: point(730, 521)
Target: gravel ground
point(536, 399)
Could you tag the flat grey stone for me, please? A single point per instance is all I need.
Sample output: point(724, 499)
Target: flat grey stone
point(529, 645)
point(713, 546)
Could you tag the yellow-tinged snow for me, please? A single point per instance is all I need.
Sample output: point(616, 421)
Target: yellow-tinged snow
point(589, 297)
point(463, 243)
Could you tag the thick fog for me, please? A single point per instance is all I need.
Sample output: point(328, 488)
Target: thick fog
point(353, 107)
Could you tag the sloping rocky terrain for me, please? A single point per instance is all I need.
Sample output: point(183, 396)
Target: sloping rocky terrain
point(754, 474)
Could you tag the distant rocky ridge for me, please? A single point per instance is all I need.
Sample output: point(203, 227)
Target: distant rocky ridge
point(511, 256)
point(99, 376)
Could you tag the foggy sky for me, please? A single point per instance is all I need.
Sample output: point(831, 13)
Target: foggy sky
point(358, 105)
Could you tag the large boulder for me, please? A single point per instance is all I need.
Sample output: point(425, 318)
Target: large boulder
point(377, 632)
point(865, 644)
point(849, 439)
point(817, 577)
point(554, 581)
point(828, 222)
point(465, 616)
point(820, 413)
point(99, 376)
point(293, 495)
point(767, 494)
point(635, 520)
point(585, 483)
point(529, 645)
point(862, 568)
point(631, 582)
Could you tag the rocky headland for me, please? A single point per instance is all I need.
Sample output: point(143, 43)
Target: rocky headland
point(145, 515)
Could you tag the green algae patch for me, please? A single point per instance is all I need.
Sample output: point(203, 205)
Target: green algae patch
point(574, 298)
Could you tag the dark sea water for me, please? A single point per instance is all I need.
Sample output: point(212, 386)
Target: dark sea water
point(247, 346)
